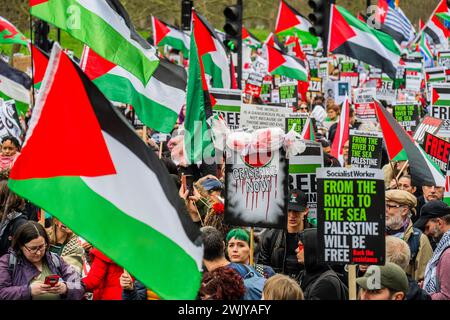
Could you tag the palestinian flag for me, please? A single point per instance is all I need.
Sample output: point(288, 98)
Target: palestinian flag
point(291, 22)
point(213, 54)
point(285, 65)
point(442, 11)
point(361, 18)
point(9, 33)
point(272, 41)
point(249, 39)
point(16, 85)
point(436, 74)
point(122, 199)
point(437, 32)
point(157, 104)
point(400, 146)
point(40, 63)
point(353, 38)
point(308, 131)
point(166, 35)
point(198, 144)
point(342, 132)
point(103, 25)
point(440, 96)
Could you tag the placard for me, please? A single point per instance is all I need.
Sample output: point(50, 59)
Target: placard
point(364, 104)
point(228, 105)
point(256, 189)
point(428, 124)
point(289, 94)
point(365, 149)
point(302, 173)
point(351, 216)
point(263, 116)
point(407, 115)
point(438, 149)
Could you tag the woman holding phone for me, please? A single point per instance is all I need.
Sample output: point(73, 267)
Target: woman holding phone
point(30, 272)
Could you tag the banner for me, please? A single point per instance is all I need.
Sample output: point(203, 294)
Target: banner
point(256, 189)
point(428, 124)
point(228, 105)
point(351, 216)
point(337, 90)
point(365, 149)
point(323, 68)
point(440, 106)
point(407, 115)
point(263, 116)
point(438, 149)
point(266, 88)
point(386, 90)
point(443, 58)
point(302, 173)
point(253, 84)
point(299, 119)
point(350, 77)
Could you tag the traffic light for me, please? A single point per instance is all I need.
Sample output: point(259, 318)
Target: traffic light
point(233, 27)
point(317, 18)
point(186, 10)
point(41, 31)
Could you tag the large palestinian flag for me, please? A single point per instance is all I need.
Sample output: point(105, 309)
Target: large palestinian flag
point(353, 38)
point(117, 195)
point(213, 54)
point(40, 63)
point(342, 132)
point(167, 35)
point(9, 33)
point(197, 137)
point(16, 85)
point(104, 26)
point(442, 11)
point(437, 32)
point(286, 65)
point(157, 104)
point(291, 22)
point(400, 147)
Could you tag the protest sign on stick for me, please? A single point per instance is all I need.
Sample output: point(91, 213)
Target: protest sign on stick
point(228, 105)
point(428, 124)
point(365, 149)
point(351, 216)
point(407, 115)
point(438, 149)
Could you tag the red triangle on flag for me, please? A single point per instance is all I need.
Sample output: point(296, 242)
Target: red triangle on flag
point(245, 33)
point(94, 65)
point(286, 18)
point(421, 24)
point(36, 2)
point(68, 120)
point(275, 58)
point(340, 30)
point(160, 30)
point(203, 38)
point(40, 62)
point(435, 96)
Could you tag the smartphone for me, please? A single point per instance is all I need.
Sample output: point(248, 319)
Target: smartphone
point(188, 183)
point(51, 280)
point(300, 247)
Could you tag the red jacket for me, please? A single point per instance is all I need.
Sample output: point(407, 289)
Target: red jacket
point(103, 278)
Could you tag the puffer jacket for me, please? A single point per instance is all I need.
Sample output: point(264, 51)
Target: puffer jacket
point(15, 285)
point(103, 277)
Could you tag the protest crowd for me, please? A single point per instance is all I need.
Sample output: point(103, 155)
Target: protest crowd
point(319, 177)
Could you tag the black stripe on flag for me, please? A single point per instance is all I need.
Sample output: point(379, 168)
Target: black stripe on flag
point(433, 35)
point(226, 96)
point(171, 74)
point(114, 123)
point(442, 90)
point(368, 56)
point(15, 75)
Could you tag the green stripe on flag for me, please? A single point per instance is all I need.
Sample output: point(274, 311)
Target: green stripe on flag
point(227, 108)
point(401, 156)
point(290, 73)
point(212, 70)
point(21, 107)
point(174, 43)
point(151, 113)
point(106, 40)
point(109, 229)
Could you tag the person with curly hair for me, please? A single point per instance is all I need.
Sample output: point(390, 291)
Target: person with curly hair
point(222, 284)
point(9, 152)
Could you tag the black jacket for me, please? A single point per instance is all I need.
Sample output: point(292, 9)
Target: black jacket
point(273, 250)
point(319, 281)
point(415, 292)
point(9, 232)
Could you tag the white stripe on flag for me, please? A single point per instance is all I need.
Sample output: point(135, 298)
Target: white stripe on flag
point(14, 90)
point(128, 190)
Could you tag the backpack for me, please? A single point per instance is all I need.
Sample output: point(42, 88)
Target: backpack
point(253, 281)
point(8, 234)
point(414, 243)
point(13, 262)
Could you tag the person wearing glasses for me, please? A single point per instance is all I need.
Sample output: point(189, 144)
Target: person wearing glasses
point(400, 205)
point(25, 269)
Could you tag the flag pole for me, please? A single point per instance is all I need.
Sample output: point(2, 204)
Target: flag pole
point(352, 281)
point(160, 149)
point(403, 168)
point(393, 171)
point(144, 133)
point(252, 246)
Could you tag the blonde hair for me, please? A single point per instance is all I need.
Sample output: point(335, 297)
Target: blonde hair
point(398, 252)
point(281, 287)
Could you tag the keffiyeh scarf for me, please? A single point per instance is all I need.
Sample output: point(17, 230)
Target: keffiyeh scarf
point(430, 283)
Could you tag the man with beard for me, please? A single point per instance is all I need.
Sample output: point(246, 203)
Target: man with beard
point(436, 223)
point(400, 205)
point(429, 218)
